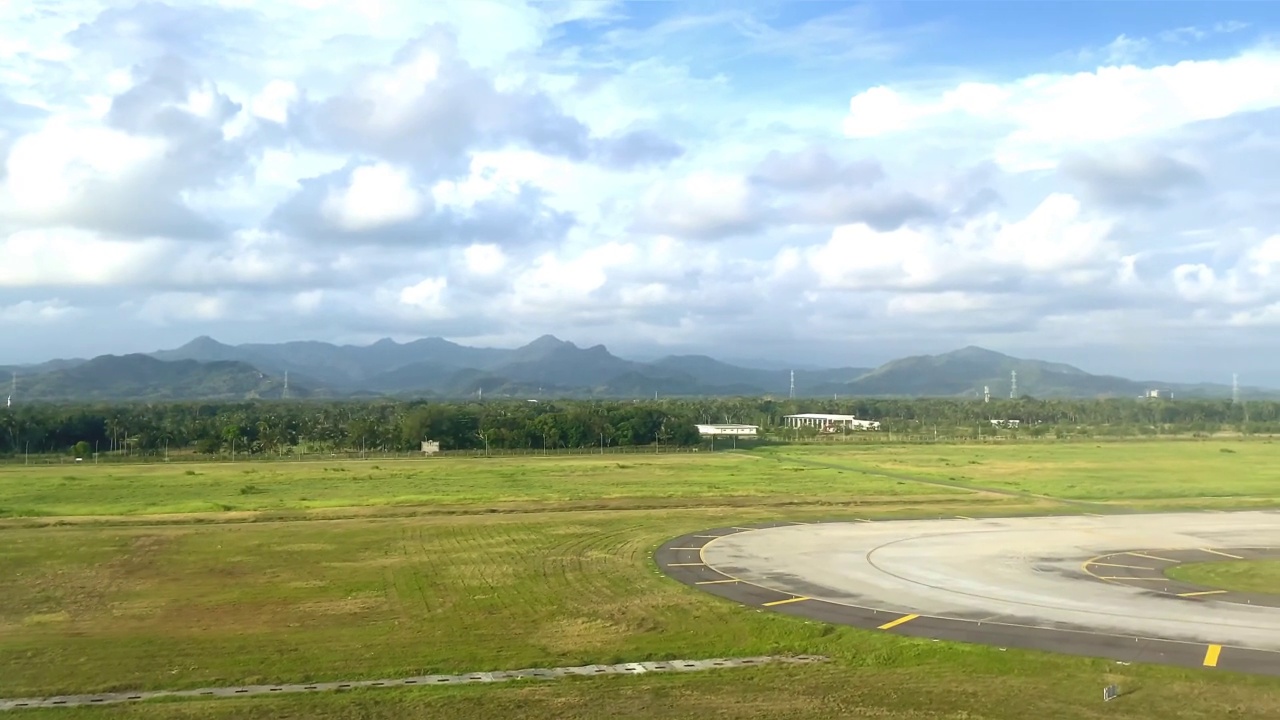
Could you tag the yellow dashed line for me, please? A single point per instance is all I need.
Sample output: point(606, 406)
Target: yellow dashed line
point(899, 621)
point(784, 602)
point(1219, 552)
point(1211, 655)
point(1202, 592)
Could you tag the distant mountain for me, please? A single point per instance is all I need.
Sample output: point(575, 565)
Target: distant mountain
point(141, 377)
point(549, 367)
point(969, 371)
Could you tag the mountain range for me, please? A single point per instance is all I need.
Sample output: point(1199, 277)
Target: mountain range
point(547, 367)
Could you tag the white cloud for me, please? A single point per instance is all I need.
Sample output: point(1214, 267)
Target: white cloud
point(479, 169)
point(1052, 241)
point(1040, 116)
point(53, 168)
point(377, 195)
point(37, 313)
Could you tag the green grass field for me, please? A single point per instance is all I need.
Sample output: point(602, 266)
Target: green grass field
point(438, 482)
point(491, 564)
point(1151, 472)
point(1253, 576)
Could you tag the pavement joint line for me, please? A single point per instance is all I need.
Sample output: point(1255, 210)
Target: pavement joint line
point(895, 623)
point(1127, 567)
point(784, 602)
point(1149, 557)
point(1201, 592)
point(420, 681)
point(1219, 552)
point(1211, 654)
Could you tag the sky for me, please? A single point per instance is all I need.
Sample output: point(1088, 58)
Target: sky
point(818, 183)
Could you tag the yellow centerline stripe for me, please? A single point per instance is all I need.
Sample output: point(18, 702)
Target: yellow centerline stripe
point(687, 565)
point(716, 582)
point(1218, 552)
point(1128, 577)
point(964, 517)
point(697, 548)
point(1211, 655)
point(1149, 557)
point(784, 602)
point(1128, 567)
point(1202, 592)
point(899, 621)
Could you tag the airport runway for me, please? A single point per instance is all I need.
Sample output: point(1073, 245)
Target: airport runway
point(1086, 585)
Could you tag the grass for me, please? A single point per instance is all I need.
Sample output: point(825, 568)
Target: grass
point(1253, 576)
point(1153, 472)
point(444, 482)
point(177, 601)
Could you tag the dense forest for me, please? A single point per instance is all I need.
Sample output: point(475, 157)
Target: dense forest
point(285, 427)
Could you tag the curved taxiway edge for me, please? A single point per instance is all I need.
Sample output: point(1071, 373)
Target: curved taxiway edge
point(682, 559)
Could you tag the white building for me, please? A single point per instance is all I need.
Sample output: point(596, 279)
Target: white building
point(728, 430)
point(829, 423)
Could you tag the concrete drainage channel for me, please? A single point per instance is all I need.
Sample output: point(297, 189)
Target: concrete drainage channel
point(424, 680)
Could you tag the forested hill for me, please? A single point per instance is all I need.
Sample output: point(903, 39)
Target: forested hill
point(276, 427)
point(549, 368)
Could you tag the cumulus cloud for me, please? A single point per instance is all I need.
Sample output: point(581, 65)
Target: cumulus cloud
point(490, 171)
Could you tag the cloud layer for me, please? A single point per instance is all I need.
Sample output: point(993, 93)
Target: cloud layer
point(655, 179)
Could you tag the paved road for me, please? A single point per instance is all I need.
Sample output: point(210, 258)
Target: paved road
point(1086, 585)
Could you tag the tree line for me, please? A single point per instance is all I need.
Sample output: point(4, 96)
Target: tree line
point(392, 426)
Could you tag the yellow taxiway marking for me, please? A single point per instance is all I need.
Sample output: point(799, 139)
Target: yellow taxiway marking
point(1149, 557)
point(1128, 567)
point(1219, 552)
point(687, 565)
point(1123, 577)
point(1211, 655)
point(784, 602)
point(964, 517)
point(899, 621)
point(717, 582)
point(1202, 592)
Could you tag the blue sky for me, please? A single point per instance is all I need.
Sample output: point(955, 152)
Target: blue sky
point(1089, 182)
